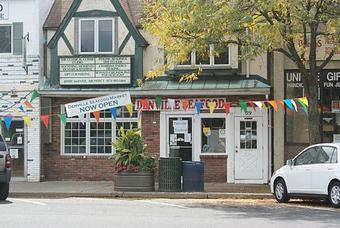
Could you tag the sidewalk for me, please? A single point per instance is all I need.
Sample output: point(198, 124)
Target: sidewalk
point(104, 189)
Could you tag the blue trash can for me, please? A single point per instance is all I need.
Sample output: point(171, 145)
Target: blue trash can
point(193, 176)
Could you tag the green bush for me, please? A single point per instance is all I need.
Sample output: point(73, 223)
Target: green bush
point(131, 152)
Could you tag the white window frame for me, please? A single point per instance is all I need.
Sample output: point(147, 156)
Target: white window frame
point(88, 120)
point(211, 60)
point(8, 25)
point(211, 116)
point(96, 35)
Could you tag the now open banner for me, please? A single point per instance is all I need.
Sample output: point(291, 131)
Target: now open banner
point(97, 104)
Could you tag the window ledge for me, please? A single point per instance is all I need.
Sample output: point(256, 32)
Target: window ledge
point(194, 67)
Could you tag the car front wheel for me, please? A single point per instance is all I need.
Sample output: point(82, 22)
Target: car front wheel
point(280, 191)
point(334, 194)
point(4, 189)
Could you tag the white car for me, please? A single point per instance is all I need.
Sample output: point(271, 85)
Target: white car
point(315, 172)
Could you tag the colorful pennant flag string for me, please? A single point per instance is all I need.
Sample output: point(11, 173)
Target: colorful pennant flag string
point(244, 106)
point(35, 95)
point(227, 107)
point(171, 103)
point(198, 106)
point(273, 104)
point(63, 118)
point(185, 104)
point(113, 113)
point(130, 109)
point(159, 102)
point(28, 104)
point(96, 115)
point(8, 121)
point(27, 120)
point(212, 106)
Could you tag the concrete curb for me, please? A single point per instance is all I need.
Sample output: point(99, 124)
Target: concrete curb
point(143, 195)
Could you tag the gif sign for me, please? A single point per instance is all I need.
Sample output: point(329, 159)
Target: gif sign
point(3, 9)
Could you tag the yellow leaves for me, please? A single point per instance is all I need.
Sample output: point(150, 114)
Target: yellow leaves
point(157, 72)
point(188, 77)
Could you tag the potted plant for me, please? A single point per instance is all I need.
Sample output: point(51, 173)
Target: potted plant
point(134, 168)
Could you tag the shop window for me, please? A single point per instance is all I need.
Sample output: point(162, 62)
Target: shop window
point(96, 36)
point(248, 135)
point(210, 57)
point(213, 131)
point(6, 39)
point(86, 136)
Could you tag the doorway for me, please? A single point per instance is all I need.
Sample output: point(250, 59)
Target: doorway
point(180, 137)
point(249, 158)
point(15, 139)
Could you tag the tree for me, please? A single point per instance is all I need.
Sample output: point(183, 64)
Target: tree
point(257, 26)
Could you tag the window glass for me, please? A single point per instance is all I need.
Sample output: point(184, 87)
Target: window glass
point(327, 155)
point(87, 136)
point(87, 36)
point(222, 57)
point(105, 35)
point(307, 157)
point(213, 131)
point(5, 39)
point(248, 135)
point(2, 144)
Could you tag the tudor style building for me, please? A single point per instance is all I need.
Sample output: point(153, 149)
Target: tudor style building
point(20, 71)
point(96, 47)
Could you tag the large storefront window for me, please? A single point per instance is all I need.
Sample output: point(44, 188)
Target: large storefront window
point(296, 128)
point(83, 136)
point(6, 39)
point(213, 131)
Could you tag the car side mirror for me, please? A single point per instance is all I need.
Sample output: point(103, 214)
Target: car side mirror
point(290, 162)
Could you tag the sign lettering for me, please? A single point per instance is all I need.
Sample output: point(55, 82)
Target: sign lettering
point(3, 9)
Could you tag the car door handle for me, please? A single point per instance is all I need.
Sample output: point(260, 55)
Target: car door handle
point(307, 169)
point(330, 169)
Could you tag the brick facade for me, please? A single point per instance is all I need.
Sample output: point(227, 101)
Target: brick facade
point(215, 168)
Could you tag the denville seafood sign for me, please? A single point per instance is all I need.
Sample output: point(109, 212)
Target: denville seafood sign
point(97, 104)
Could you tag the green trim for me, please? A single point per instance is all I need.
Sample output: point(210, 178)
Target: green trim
point(96, 13)
point(122, 46)
point(54, 80)
point(66, 20)
point(68, 44)
point(139, 39)
point(138, 66)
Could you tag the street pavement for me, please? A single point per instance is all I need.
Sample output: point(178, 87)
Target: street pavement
point(95, 212)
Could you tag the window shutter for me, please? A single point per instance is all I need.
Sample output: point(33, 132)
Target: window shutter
point(17, 38)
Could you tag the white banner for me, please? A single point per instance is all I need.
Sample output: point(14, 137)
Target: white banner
point(3, 10)
point(97, 104)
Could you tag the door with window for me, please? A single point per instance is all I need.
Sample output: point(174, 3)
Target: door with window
point(249, 159)
point(15, 139)
point(180, 137)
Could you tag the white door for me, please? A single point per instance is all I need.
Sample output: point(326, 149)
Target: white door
point(249, 159)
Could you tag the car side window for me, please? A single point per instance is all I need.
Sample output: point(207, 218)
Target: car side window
point(2, 144)
point(327, 154)
point(307, 157)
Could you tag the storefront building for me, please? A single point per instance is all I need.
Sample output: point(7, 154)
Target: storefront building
point(97, 48)
point(20, 71)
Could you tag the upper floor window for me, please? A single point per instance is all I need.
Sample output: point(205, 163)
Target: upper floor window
point(210, 57)
point(96, 36)
point(5, 39)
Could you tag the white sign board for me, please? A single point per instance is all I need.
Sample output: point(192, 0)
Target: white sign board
point(97, 104)
point(14, 153)
point(3, 9)
point(95, 70)
point(180, 126)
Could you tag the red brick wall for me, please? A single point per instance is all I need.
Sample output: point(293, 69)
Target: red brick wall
point(150, 132)
point(215, 168)
point(58, 167)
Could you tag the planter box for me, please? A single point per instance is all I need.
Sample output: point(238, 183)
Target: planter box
point(134, 182)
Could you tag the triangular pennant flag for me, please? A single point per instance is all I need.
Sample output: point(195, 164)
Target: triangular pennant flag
point(244, 106)
point(227, 107)
point(27, 120)
point(251, 104)
point(17, 112)
point(113, 113)
point(45, 119)
point(212, 106)
point(258, 104)
point(288, 103)
point(63, 118)
point(21, 108)
point(96, 115)
point(198, 106)
point(273, 104)
point(264, 106)
point(8, 120)
point(159, 102)
point(82, 118)
point(282, 104)
point(294, 104)
point(185, 104)
point(28, 104)
point(171, 103)
point(303, 100)
point(129, 107)
point(35, 94)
